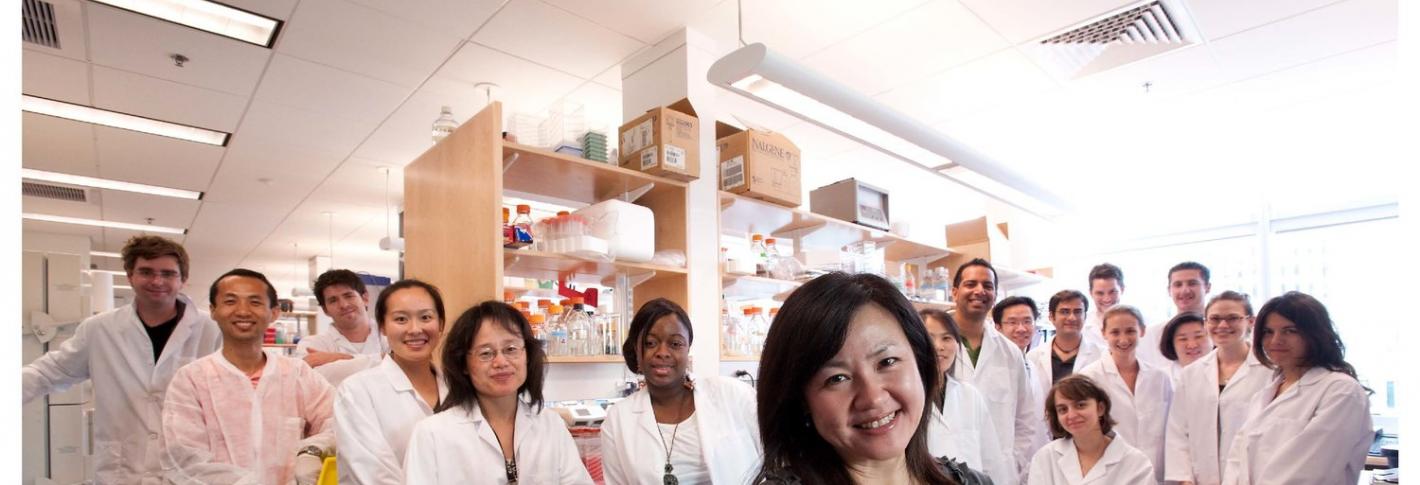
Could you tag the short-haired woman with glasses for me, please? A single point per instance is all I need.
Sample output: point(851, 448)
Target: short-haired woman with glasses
point(492, 428)
point(1212, 395)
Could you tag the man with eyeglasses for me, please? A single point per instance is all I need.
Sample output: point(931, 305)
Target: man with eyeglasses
point(243, 415)
point(1068, 349)
point(130, 354)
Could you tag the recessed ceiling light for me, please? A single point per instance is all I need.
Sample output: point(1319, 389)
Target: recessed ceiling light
point(108, 224)
point(64, 178)
point(106, 254)
point(60, 109)
point(208, 16)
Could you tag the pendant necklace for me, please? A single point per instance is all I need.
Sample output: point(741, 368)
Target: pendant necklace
point(669, 477)
point(510, 466)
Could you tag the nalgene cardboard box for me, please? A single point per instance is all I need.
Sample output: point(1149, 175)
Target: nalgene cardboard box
point(664, 142)
point(759, 164)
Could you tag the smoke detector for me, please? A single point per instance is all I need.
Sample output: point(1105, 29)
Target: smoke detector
point(1129, 34)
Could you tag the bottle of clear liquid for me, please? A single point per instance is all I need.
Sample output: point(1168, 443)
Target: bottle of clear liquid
point(760, 253)
point(579, 329)
point(556, 332)
point(523, 223)
point(445, 124)
point(730, 331)
point(538, 322)
point(596, 335)
point(758, 329)
point(909, 282)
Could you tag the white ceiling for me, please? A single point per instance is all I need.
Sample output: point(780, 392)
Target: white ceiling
point(1278, 91)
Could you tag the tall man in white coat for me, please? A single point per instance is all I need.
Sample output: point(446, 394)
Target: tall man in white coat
point(1188, 288)
point(131, 353)
point(1106, 289)
point(992, 363)
point(353, 345)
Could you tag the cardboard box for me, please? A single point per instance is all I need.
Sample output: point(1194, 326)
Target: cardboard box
point(979, 238)
point(664, 142)
point(759, 164)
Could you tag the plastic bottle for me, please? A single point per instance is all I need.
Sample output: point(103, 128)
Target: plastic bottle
point(909, 282)
point(579, 329)
point(523, 223)
point(758, 329)
point(445, 124)
point(731, 330)
point(556, 332)
point(760, 253)
point(510, 237)
point(538, 321)
point(543, 307)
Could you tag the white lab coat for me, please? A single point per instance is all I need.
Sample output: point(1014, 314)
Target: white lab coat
point(114, 351)
point(1148, 348)
point(457, 446)
point(1040, 435)
point(1039, 360)
point(375, 412)
point(633, 453)
point(1141, 416)
point(365, 354)
point(1093, 330)
point(1194, 447)
point(1317, 431)
point(962, 430)
point(1000, 374)
point(1058, 463)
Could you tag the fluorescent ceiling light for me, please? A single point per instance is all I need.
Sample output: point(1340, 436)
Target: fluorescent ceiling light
point(60, 109)
point(108, 224)
point(64, 178)
point(105, 254)
point(209, 16)
point(759, 74)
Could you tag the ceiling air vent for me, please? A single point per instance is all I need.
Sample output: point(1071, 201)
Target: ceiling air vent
point(39, 24)
point(56, 192)
point(1135, 32)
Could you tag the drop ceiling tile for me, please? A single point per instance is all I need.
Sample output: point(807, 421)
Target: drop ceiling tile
point(261, 160)
point(1220, 18)
point(58, 145)
point(360, 183)
point(72, 40)
point(610, 78)
point(559, 39)
point(66, 208)
point(1023, 20)
point(214, 62)
point(454, 17)
point(1168, 75)
point(366, 41)
point(797, 28)
point(993, 80)
point(277, 9)
point(1356, 71)
point(140, 157)
point(920, 42)
point(54, 77)
point(165, 211)
point(214, 235)
point(1336, 29)
point(160, 99)
point(601, 106)
point(313, 87)
point(523, 86)
point(408, 132)
point(648, 21)
point(93, 233)
point(274, 124)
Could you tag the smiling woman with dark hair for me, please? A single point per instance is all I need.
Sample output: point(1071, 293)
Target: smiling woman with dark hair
point(493, 419)
point(843, 386)
point(695, 430)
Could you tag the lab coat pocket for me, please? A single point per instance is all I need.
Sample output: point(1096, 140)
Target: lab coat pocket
point(108, 457)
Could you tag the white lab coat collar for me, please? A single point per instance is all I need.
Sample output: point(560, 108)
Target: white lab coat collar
point(400, 382)
point(1310, 378)
point(522, 423)
point(1068, 459)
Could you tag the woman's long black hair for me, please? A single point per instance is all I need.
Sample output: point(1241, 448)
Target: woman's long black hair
point(1324, 347)
point(459, 342)
point(811, 328)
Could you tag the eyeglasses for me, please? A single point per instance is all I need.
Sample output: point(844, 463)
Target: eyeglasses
point(1017, 323)
point(150, 274)
point(1070, 311)
point(1231, 319)
point(511, 352)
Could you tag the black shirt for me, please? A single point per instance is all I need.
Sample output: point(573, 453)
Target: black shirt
point(1061, 368)
point(159, 334)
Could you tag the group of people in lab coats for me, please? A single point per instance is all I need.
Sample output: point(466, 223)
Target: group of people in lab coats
point(855, 386)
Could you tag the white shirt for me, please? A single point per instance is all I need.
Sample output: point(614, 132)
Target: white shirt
point(113, 350)
point(726, 426)
point(1039, 360)
point(1058, 463)
point(457, 446)
point(1142, 415)
point(1093, 331)
point(962, 430)
point(688, 465)
point(366, 354)
point(1000, 374)
point(1317, 431)
point(375, 413)
point(1195, 447)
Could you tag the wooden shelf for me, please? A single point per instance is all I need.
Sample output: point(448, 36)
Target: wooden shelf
point(586, 359)
point(537, 171)
point(748, 287)
point(741, 215)
point(555, 266)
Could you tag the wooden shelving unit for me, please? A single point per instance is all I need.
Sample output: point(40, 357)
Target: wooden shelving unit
point(453, 219)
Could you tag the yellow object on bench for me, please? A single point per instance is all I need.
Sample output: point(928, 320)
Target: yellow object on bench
point(327, 472)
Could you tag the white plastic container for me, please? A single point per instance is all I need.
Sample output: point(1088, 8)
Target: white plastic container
point(629, 229)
